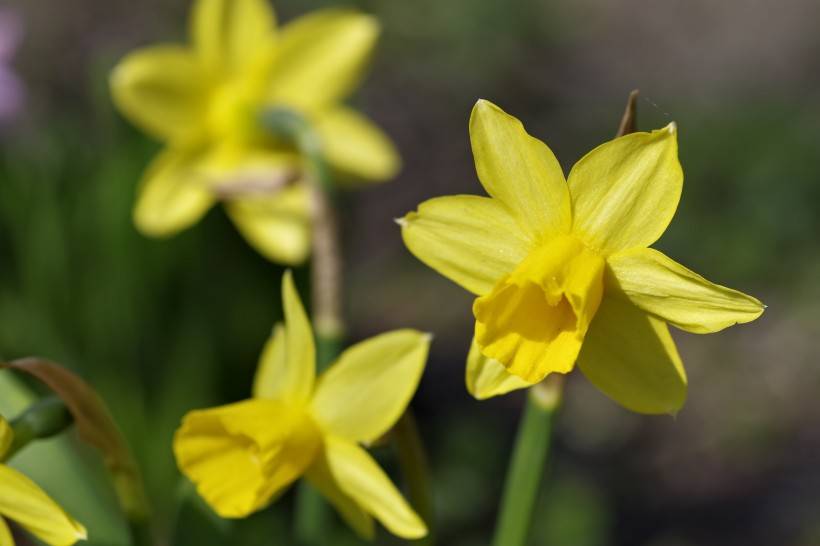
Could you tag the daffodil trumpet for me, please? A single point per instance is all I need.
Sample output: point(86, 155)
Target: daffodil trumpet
point(25, 503)
point(243, 456)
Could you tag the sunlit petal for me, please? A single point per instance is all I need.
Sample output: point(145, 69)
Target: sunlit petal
point(474, 241)
point(520, 171)
point(631, 358)
point(163, 90)
point(22, 501)
point(666, 289)
point(625, 192)
point(231, 34)
point(367, 389)
point(320, 58)
point(173, 194)
point(359, 520)
point(358, 475)
point(277, 226)
point(356, 147)
point(273, 365)
point(487, 377)
point(288, 364)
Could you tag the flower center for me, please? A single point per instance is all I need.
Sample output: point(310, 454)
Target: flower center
point(535, 319)
point(232, 110)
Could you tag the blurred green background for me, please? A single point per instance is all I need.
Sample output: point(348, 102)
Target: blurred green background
point(164, 326)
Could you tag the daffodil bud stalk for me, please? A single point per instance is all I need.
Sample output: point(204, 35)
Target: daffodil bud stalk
point(43, 419)
point(326, 267)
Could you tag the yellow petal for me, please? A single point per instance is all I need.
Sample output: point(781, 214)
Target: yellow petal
point(277, 226)
point(520, 171)
point(241, 455)
point(163, 90)
point(666, 289)
point(269, 207)
point(356, 147)
point(230, 34)
point(173, 194)
point(359, 520)
point(367, 389)
point(288, 364)
point(487, 377)
point(535, 319)
point(5, 534)
point(22, 501)
point(320, 58)
point(6, 436)
point(358, 475)
point(473, 241)
point(625, 192)
point(631, 358)
point(273, 364)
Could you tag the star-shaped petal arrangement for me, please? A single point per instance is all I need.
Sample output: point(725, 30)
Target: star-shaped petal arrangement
point(243, 455)
point(562, 269)
point(205, 101)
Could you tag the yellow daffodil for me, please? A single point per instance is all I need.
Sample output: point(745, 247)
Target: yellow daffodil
point(204, 101)
point(243, 455)
point(23, 502)
point(562, 269)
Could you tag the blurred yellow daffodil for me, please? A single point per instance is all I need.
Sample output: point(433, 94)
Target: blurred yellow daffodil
point(204, 101)
point(562, 269)
point(23, 502)
point(243, 455)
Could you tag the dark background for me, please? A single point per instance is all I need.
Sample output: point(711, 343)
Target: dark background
point(164, 326)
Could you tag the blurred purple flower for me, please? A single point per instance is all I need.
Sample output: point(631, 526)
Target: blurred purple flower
point(11, 89)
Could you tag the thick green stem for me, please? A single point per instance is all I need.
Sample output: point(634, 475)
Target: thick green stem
point(44, 419)
point(527, 463)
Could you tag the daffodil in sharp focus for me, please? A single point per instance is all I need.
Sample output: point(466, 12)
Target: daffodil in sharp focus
point(24, 503)
point(204, 101)
point(562, 269)
point(243, 455)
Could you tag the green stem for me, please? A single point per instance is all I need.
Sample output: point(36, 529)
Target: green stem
point(527, 463)
point(43, 419)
